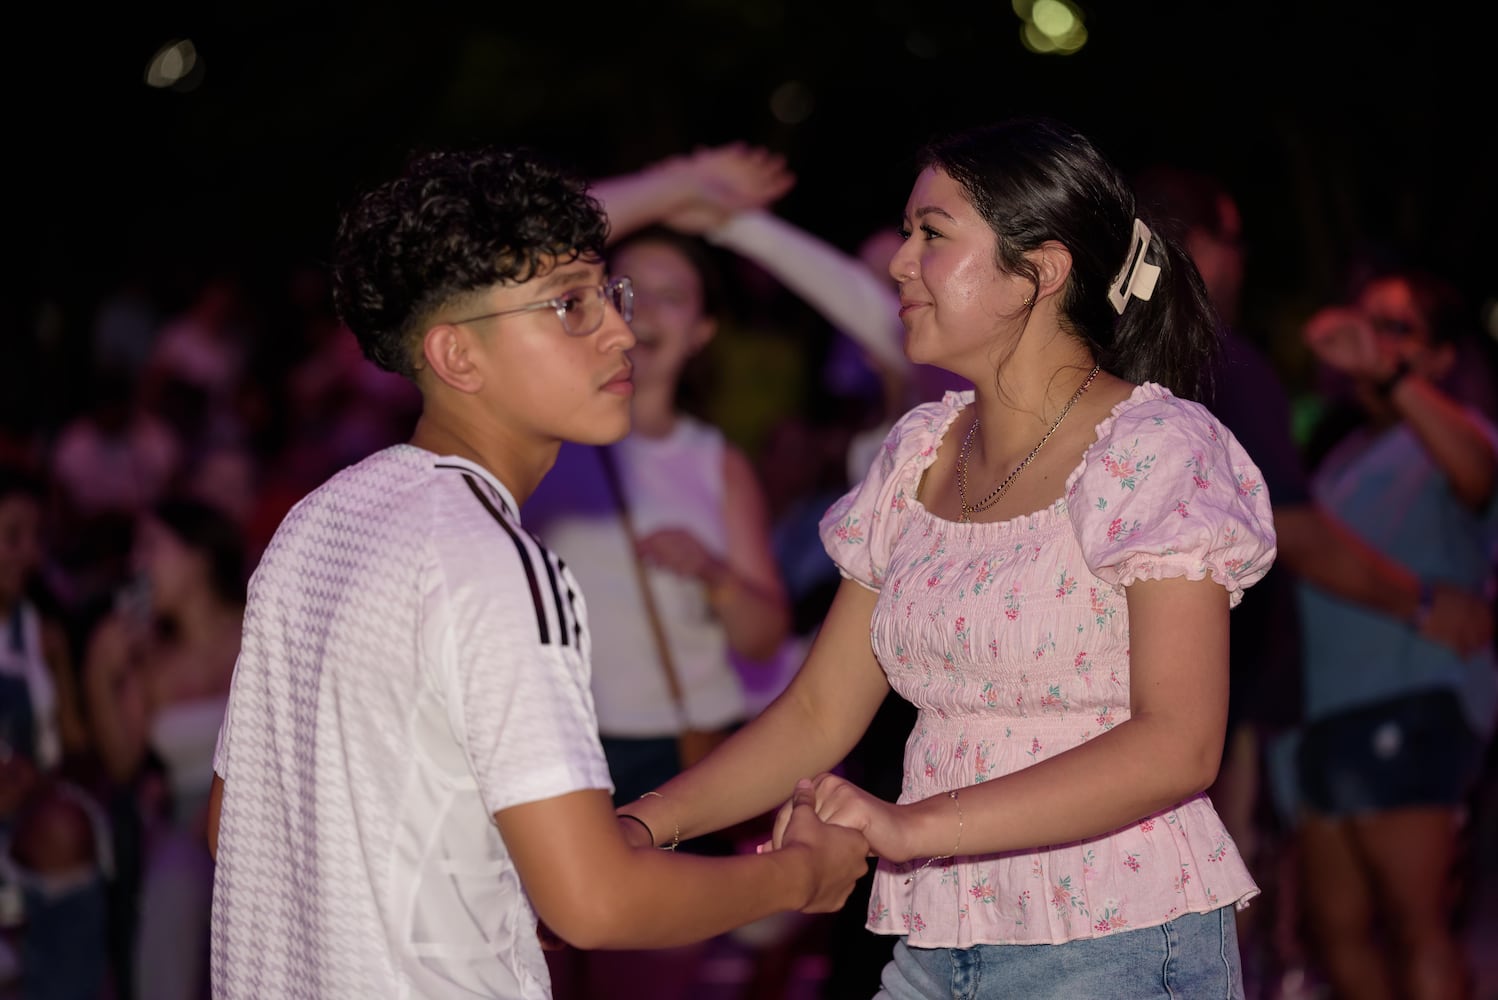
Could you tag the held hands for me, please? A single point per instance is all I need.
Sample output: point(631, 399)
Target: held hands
point(840, 802)
point(839, 854)
point(719, 182)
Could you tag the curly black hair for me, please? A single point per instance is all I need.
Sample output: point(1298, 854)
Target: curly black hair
point(455, 222)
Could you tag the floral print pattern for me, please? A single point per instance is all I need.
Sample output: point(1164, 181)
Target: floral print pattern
point(1012, 640)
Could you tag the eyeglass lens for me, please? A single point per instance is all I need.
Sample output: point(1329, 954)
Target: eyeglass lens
point(582, 309)
point(621, 293)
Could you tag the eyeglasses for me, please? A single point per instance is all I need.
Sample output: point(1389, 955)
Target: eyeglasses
point(581, 310)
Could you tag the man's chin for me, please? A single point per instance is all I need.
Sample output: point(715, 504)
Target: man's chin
point(604, 432)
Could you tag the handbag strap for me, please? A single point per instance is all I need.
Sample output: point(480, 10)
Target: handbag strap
point(657, 628)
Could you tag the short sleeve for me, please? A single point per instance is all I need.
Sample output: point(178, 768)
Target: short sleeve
point(860, 528)
point(510, 662)
point(1167, 491)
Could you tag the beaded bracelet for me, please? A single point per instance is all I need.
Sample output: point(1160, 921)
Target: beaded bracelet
point(942, 857)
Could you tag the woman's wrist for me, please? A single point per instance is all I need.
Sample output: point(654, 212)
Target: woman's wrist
point(938, 831)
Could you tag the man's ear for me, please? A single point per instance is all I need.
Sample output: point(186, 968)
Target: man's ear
point(1052, 266)
point(449, 352)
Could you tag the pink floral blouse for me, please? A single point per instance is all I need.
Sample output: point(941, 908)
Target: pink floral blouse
point(1012, 640)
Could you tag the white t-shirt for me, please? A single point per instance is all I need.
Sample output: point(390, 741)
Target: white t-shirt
point(413, 662)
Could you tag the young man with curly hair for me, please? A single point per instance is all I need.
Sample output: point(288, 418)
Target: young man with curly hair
point(409, 772)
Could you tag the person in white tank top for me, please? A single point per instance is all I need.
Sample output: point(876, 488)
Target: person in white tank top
point(699, 516)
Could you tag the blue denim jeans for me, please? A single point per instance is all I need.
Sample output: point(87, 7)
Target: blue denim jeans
point(1193, 957)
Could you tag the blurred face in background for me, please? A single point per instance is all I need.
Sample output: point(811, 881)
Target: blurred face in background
point(670, 323)
point(170, 568)
point(20, 545)
point(1388, 305)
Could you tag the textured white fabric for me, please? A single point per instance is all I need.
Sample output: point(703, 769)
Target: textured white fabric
point(413, 662)
point(671, 482)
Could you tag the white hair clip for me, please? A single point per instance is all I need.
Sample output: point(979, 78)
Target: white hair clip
point(1137, 279)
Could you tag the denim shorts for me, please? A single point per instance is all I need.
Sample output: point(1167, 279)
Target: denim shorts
point(1413, 750)
point(1193, 957)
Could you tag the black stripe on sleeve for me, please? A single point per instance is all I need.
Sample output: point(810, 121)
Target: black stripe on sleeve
point(577, 621)
point(468, 473)
point(556, 596)
point(525, 557)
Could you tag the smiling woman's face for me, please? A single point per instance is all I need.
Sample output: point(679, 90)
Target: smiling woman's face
point(669, 320)
point(954, 300)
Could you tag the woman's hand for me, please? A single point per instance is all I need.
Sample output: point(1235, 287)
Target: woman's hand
point(682, 553)
point(842, 803)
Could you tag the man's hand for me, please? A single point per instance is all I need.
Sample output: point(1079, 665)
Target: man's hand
point(840, 855)
point(843, 803)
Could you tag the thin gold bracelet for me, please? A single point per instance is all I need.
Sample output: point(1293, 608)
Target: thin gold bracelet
point(942, 857)
point(676, 832)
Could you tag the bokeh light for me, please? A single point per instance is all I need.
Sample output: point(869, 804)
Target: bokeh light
point(175, 66)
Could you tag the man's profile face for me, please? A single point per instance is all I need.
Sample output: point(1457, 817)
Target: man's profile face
point(540, 380)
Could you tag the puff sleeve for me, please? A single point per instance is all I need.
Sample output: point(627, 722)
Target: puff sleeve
point(860, 528)
point(1168, 491)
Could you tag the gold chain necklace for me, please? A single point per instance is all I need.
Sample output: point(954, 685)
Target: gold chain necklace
point(998, 491)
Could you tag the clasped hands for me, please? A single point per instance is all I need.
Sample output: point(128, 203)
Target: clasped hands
point(839, 802)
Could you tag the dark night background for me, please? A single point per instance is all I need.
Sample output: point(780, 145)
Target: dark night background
point(1342, 126)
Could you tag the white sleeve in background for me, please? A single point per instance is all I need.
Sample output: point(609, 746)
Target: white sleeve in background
point(835, 284)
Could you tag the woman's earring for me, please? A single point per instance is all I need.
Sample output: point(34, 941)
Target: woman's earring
point(1029, 301)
